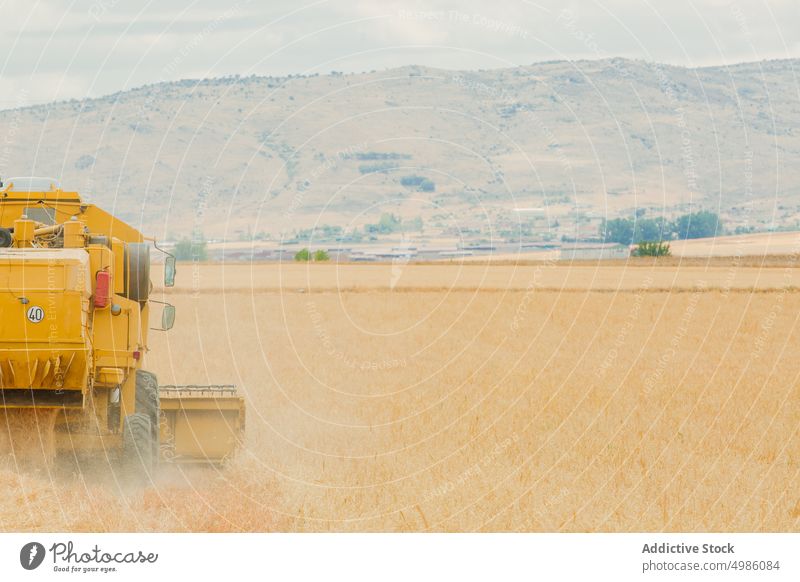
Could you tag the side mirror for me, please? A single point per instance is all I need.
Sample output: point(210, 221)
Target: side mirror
point(169, 271)
point(167, 317)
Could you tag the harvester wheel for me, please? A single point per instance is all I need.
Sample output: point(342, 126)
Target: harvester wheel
point(137, 445)
point(148, 403)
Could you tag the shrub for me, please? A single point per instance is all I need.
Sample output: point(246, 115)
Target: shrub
point(427, 186)
point(652, 249)
point(411, 180)
point(382, 156)
point(305, 255)
point(422, 183)
point(377, 168)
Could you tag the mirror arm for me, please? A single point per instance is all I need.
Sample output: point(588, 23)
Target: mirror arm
point(158, 248)
point(169, 255)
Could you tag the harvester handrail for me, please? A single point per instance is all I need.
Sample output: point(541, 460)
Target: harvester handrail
point(197, 390)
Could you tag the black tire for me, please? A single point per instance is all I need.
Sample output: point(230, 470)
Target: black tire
point(6, 238)
point(137, 446)
point(147, 394)
point(137, 271)
point(148, 403)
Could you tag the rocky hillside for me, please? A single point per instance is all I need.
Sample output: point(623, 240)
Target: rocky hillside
point(234, 157)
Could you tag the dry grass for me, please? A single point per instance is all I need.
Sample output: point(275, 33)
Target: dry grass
point(757, 261)
point(444, 405)
point(27, 437)
point(669, 273)
point(756, 244)
point(93, 500)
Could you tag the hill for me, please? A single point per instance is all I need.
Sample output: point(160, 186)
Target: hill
point(446, 152)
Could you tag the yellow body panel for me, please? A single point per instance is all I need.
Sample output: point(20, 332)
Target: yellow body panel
point(110, 377)
point(44, 328)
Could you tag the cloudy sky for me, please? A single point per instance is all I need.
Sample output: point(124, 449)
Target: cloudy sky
point(58, 49)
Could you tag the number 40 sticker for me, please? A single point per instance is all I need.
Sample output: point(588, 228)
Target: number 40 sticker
point(35, 314)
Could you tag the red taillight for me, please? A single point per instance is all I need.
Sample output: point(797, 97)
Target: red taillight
point(102, 290)
point(137, 354)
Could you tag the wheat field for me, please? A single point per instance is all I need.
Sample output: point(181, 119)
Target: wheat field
point(400, 397)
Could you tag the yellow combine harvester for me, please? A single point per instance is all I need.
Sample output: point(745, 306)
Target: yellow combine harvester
point(74, 319)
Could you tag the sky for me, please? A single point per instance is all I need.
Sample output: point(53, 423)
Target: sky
point(62, 49)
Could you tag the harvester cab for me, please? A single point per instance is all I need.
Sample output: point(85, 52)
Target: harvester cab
point(74, 320)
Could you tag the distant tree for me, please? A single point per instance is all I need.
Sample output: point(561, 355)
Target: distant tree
point(187, 249)
point(302, 255)
point(412, 180)
point(627, 231)
point(321, 255)
point(381, 168)
point(427, 185)
point(381, 156)
point(421, 183)
point(701, 224)
point(388, 223)
point(413, 225)
point(618, 230)
point(650, 229)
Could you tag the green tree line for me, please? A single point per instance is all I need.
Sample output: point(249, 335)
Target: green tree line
point(633, 231)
